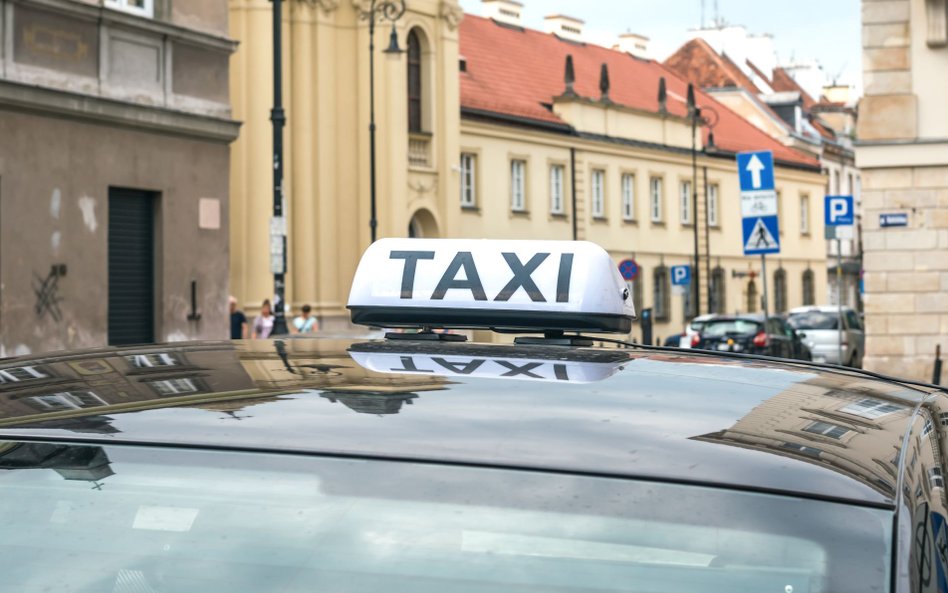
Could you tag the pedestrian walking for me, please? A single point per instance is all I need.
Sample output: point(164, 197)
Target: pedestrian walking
point(238, 321)
point(263, 323)
point(305, 323)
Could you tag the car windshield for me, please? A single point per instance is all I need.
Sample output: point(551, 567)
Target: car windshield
point(723, 327)
point(127, 519)
point(813, 320)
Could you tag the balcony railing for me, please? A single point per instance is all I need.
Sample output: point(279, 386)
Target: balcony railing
point(419, 150)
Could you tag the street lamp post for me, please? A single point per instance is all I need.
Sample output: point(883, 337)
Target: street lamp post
point(694, 113)
point(389, 10)
point(278, 222)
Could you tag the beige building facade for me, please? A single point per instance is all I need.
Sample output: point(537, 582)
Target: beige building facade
point(903, 153)
point(611, 170)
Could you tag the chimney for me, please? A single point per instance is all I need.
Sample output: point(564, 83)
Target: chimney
point(633, 44)
point(565, 27)
point(502, 11)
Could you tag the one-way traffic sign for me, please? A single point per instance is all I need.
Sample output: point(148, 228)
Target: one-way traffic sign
point(758, 203)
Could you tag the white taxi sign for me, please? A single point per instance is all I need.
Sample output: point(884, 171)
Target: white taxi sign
point(510, 285)
point(460, 364)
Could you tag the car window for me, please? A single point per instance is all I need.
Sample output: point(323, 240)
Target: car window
point(813, 320)
point(724, 327)
point(89, 519)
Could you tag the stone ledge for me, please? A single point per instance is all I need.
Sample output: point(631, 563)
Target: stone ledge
point(107, 111)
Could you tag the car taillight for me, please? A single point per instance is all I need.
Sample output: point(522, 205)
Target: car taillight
point(760, 340)
point(695, 339)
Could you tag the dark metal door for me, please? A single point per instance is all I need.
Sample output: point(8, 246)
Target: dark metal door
point(131, 267)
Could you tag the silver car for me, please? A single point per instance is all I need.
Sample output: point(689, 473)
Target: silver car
point(819, 326)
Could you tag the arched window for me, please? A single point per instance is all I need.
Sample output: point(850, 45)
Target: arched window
point(780, 290)
point(661, 294)
point(809, 291)
point(414, 83)
point(751, 297)
point(718, 295)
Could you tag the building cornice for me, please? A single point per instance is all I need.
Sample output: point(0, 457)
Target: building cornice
point(32, 99)
point(95, 13)
point(931, 152)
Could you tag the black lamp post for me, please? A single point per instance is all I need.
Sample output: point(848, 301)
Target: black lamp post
point(278, 223)
point(388, 10)
point(694, 113)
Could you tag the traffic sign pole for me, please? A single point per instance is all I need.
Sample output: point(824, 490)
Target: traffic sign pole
point(839, 301)
point(763, 272)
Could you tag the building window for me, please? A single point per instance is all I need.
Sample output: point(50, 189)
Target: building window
point(688, 302)
point(139, 7)
point(752, 298)
point(852, 185)
point(713, 219)
point(685, 200)
point(810, 451)
point(17, 374)
point(833, 431)
point(718, 295)
point(871, 408)
point(628, 196)
point(468, 189)
point(598, 193)
point(518, 173)
point(414, 82)
point(557, 172)
point(66, 400)
point(780, 290)
point(174, 386)
point(656, 197)
point(637, 289)
point(661, 294)
point(144, 361)
point(935, 478)
point(804, 214)
point(809, 291)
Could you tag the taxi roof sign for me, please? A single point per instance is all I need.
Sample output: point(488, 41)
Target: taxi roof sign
point(497, 284)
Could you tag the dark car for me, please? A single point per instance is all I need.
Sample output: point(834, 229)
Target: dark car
point(423, 463)
point(751, 334)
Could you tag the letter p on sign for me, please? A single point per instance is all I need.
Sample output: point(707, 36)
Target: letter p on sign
point(839, 211)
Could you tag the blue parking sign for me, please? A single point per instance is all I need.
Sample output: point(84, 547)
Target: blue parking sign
point(839, 211)
point(681, 275)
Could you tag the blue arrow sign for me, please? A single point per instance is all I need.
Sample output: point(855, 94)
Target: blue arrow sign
point(756, 170)
point(681, 275)
point(761, 235)
point(839, 211)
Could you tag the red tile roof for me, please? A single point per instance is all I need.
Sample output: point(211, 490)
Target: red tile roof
point(697, 61)
point(515, 72)
point(783, 82)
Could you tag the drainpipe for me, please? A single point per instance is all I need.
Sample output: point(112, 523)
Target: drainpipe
point(572, 179)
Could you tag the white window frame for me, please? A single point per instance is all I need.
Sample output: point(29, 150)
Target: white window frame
point(518, 185)
point(871, 409)
point(656, 191)
point(684, 187)
point(145, 361)
point(598, 191)
point(827, 429)
point(68, 400)
point(468, 180)
point(17, 374)
point(557, 179)
point(146, 10)
point(628, 196)
point(804, 214)
point(714, 203)
point(174, 386)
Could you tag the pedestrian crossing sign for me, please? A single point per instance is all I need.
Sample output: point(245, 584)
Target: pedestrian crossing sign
point(761, 235)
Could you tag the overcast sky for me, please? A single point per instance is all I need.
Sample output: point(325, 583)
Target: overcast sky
point(825, 30)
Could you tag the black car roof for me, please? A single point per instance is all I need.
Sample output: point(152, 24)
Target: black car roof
point(679, 416)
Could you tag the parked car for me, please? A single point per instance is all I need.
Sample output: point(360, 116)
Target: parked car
point(689, 337)
point(750, 334)
point(821, 328)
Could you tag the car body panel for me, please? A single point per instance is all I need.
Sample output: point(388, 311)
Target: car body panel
point(690, 417)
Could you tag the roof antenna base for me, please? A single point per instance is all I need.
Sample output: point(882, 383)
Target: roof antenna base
point(554, 338)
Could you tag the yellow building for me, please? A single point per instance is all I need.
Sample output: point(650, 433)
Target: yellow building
point(481, 135)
